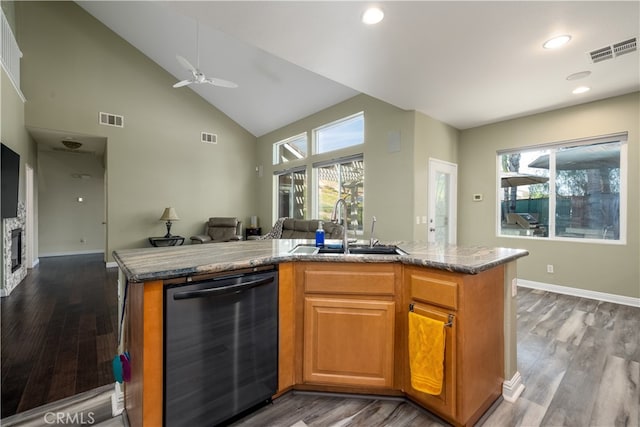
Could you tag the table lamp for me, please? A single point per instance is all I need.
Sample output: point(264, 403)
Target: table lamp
point(169, 215)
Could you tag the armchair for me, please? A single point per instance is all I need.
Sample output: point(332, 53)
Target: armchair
point(220, 229)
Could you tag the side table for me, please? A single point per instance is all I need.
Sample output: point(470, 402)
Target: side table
point(252, 233)
point(166, 241)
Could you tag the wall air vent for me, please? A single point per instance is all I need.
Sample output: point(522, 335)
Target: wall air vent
point(613, 51)
point(209, 138)
point(109, 119)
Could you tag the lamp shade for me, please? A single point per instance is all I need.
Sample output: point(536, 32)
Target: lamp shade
point(169, 214)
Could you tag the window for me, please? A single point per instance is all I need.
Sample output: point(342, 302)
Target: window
point(294, 148)
point(343, 133)
point(339, 179)
point(571, 190)
point(291, 190)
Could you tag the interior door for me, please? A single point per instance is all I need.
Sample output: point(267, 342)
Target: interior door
point(442, 206)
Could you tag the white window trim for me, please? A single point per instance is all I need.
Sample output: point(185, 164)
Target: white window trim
point(621, 137)
point(275, 196)
point(314, 133)
point(275, 155)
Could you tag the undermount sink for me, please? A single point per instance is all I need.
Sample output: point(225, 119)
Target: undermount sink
point(353, 250)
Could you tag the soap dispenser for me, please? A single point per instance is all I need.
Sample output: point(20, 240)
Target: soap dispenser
point(320, 235)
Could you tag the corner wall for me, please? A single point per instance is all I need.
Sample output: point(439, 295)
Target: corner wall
point(607, 268)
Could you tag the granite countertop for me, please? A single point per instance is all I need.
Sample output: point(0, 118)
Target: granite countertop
point(141, 265)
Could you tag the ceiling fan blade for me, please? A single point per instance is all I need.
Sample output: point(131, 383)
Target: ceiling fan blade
point(183, 83)
point(186, 64)
point(220, 82)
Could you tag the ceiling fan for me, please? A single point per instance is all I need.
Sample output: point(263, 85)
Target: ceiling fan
point(198, 76)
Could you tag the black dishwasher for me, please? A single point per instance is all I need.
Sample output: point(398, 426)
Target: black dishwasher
point(220, 347)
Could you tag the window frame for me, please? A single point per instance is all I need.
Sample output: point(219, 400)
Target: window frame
point(276, 187)
point(621, 138)
point(320, 164)
point(275, 160)
point(336, 123)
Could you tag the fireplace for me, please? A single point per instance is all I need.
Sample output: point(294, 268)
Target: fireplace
point(16, 249)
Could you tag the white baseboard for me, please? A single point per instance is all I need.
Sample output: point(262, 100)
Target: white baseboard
point(512, 388)
point(112, 264)
point(87, 252)
point(583, 293)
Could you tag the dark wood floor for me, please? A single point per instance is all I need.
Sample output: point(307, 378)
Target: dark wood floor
point(58, 331)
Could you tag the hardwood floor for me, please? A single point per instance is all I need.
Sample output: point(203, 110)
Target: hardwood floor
point(58, 331)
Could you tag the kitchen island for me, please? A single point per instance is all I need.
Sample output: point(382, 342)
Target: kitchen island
point(343, 319)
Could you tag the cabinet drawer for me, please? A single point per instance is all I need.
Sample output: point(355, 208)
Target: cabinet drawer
point(434, 290)
point(349, 282)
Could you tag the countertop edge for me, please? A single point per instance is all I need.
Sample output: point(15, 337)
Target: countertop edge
point(222, 266)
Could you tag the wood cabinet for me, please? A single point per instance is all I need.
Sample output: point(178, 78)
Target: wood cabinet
point(344, 327)
point(474, 340)
point(349, 317)
point(348, 341)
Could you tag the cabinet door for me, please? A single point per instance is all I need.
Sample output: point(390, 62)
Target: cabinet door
point(445, 402)
point(348, 342)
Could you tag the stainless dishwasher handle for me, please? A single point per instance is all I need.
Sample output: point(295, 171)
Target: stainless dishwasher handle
point(237, 288)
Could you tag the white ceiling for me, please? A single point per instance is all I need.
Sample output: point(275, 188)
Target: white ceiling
point(464, 63)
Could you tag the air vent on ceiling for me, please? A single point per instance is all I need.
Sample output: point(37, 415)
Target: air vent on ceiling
point(626, 46)
point(109, 119)
point(613, 51)
point(209, 138)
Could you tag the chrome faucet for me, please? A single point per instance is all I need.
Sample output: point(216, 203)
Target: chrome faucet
point(335, 218)
point(372, 240)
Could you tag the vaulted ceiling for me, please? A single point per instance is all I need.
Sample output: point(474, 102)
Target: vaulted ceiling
point(464, 63)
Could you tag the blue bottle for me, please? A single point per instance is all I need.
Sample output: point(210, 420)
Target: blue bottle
point(320, 235)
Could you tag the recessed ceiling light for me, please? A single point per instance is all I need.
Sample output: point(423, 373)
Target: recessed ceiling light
point(580, 75)
point(373, 15)
point(581, 89)
point(556, 42)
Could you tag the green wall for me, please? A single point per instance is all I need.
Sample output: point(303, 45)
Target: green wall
point(395, 180)
point(605, 268)
point(74, 67)
point(14, 135)
point(68, 226)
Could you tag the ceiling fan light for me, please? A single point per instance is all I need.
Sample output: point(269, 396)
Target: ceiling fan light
point(581, 89)
point(373, 15)
point(557, 42)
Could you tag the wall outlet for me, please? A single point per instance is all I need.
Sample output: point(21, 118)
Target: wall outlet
point(549, 268)
point(477, 197)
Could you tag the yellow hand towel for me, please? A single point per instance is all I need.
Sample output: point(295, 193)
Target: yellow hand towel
point(426, 353)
